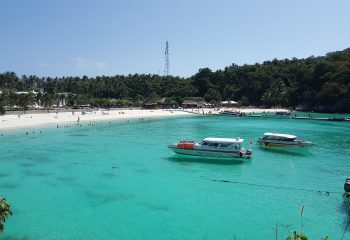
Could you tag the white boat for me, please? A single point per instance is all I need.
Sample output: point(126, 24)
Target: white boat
point(346, 195)
point(229, 113)
point(282, 114)
point(283, 141)
point(230, 148)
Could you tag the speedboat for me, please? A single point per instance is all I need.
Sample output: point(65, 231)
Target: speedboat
point(229, 148)
point(346, 195)
point(283, 141)
point(282, 114)
point(229, 113)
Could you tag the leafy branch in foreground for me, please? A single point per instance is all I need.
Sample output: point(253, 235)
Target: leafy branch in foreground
point(297, 236)
point(300, 236)
point(5, 212)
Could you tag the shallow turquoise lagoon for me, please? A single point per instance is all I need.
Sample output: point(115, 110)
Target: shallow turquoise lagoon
point(119, 181)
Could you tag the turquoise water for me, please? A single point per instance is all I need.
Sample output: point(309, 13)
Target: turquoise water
point(119, 181)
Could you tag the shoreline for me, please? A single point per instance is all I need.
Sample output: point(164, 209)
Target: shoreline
point(67, 117)
point(59, 119)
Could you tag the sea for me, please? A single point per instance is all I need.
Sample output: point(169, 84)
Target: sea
point(118, 180)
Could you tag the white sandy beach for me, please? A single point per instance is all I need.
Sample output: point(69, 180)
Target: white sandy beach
point(8, 122)
point(256, 110)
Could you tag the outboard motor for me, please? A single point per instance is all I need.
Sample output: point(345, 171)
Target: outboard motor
point(347, 185)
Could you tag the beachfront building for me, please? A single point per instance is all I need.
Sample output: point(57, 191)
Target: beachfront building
point(229, 103)
point(193, 102)
point(190, 104)
point(37, 100)
point(25, 92)
point(162, 103)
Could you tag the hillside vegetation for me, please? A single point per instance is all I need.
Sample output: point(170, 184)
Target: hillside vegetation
point(314, 83)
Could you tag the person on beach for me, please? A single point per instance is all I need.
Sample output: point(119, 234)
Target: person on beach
point(78, 119)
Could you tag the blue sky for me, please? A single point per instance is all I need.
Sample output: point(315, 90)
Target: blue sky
point(109, 37)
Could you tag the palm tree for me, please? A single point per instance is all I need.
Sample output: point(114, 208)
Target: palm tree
point(24, 100)
point(5, 212)
point(48, 100)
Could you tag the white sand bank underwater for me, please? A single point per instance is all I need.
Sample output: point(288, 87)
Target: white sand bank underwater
point(75, 116)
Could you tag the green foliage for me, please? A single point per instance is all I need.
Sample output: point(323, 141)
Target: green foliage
point(275, 95)
point(213, 96)
point(125, 103)
point(103, 102)
point(297, 236)
point(229, 92)
point(2, 110)
point(5, 212)
point(24, 100)
point(178, 101)
point(48, 100)
point(202, 81)
point(152, 98)
point(321, 83)
point(330, 93)
point(244, 101)
point(75, 100)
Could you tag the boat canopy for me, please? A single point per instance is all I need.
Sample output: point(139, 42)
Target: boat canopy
point(278, 135)
point(224, 140)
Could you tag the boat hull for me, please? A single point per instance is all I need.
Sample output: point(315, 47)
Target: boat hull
point(234, 155)
point(285, 146)
point(229, 114)
point(288, 149)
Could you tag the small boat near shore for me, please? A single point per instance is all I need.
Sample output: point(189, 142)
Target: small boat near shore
point(280, 141)
point(346, 195)
point(229, 113)
point(228, 148)
point(339, 119)
point(282, 114)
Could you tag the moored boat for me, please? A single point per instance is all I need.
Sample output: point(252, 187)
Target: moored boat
point(229, 148)
point(346, 195)
point(335, 119)
point(282, 114)
point(283, 142)
point(229, 113)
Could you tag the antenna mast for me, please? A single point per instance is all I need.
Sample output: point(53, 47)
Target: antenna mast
point(166, 56)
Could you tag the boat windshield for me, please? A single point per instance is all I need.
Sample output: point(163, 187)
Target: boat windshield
point(213, 144)
point(221, 145)
point(278, 138)
point(225, 144)
point(282, 113)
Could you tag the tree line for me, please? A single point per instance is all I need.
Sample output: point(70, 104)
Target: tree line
point(313, 83)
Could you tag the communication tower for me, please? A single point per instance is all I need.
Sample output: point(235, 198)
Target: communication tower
point(166, 56)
